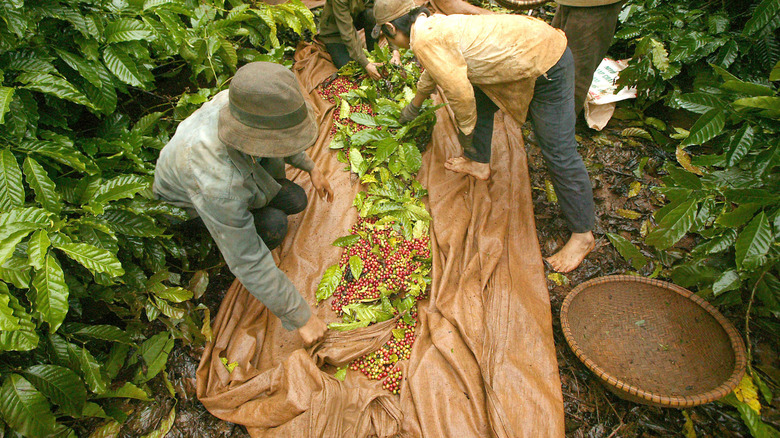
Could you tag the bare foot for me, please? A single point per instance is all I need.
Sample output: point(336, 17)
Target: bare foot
point(473, 168)
point(573, 253)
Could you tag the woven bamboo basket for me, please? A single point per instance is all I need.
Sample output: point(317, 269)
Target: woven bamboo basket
point(653, 342)
point(520, 5)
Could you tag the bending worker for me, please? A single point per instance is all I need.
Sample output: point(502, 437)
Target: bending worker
point(486, 62)
point(225, 166)
point(339, 23)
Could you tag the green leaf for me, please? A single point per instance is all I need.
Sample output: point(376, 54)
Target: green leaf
point(154, 351)
point(123, 186)
point(728, 281)
point(104, 333)
point(356, 161)
point(768, 103)
point(737, 217)
point(6, 96)
point(385, 148)
point(752, 196)
point(356, 266)
point(674, 225)
point(124, 68)
point(174, 294)
point(8, 322)
point(707, 127)
point(11, 189)
point(739, 145)
point(97, 260)
point(763, 14)
point(37, 248)
point(346, 326)
point(45, 190)
point(345, 241)
point(145, 124)
point(718, 244)
point(131, 224)
point(16, 271)
point(753, 243)
point(55, 86)
point(411, 157)
point(749, 88)
point(682, 177)
point(341, 374)
point(87, 69)
point(24, 338)
point(126, 29)
point(91, 370)
point(363, 119)
point(699, 102)
point(51, 293)
point(418, 212)
point(751, 418)
point(24, 408)
point(330, 280)
point(628, 251)
point(11, 235)
point(165, 426)
point(774, 75)
point(128, 390)
point(61, 385)
point(59, 152)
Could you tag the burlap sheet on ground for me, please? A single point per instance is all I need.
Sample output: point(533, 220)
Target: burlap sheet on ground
point(484, 362)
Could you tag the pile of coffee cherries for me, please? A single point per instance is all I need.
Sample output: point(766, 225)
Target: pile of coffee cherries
point(388, 262)
point(381, 364)
point(331, 91)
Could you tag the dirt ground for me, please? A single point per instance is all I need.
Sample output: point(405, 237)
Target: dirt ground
point(591, 411)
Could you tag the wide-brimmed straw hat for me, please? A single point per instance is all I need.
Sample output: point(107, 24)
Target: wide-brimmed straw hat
point(267, 115)
point(386, 11)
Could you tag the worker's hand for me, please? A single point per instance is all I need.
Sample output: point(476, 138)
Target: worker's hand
point(396, 59)
point(409, 113)
point(321, 184)
point(467, 143)
point(313, 331)
point(373, 70)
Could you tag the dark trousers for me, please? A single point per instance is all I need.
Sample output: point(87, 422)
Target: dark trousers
point(553, 119)
point(271, 220)
point(589, 31)
point(339, 52)
point(483, 130)
point(552, 114)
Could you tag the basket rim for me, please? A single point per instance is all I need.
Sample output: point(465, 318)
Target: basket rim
point(740, 357)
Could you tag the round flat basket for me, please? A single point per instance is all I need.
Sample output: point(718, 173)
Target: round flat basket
point(653, 342)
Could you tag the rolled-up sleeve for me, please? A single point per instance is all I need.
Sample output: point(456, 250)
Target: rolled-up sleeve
point(232, 227)
point(300, 161)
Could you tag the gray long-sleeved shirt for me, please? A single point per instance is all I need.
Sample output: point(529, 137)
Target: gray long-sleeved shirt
point(221, 185)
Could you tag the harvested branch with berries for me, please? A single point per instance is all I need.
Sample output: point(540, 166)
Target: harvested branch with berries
point(385, 266)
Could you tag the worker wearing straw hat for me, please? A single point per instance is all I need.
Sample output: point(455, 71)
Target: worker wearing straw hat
point(518, 64)
point(225, 165)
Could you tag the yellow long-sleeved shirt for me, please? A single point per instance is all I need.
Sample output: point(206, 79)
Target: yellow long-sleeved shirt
point(485, 50)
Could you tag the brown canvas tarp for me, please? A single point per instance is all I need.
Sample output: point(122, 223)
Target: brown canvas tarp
point(484, 362)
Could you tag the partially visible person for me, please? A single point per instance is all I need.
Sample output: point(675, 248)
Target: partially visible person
point(339, 23)
point(589, 26)
point(226, 166)
point(486, 62)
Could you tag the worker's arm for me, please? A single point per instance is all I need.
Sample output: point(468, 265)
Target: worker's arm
point(348, 32)
point(445, 65)
point(318, 180)
point(232, 227)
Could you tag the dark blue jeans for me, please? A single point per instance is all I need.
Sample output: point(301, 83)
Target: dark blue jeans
point(552, 115)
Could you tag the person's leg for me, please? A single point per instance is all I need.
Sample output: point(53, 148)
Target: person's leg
point(589, 31)
point(338, 53)
point(291, 198)
point(271, 225)
point(476, 160)
point(366, 21)
point(552, 115)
